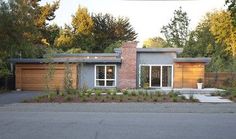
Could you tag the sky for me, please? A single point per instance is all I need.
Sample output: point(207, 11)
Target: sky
point(147, 17)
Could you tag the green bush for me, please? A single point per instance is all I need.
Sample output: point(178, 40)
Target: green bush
point(125, 92)
point(159, 94)
point(191, 97)
point(51, 96)
point(133, 93)
point(183, 97)
point(98, 92)
point(155, 99)
point(83, 98)
point(174, 99)
point(140, 92)
point(68, 98)
point(121, 98)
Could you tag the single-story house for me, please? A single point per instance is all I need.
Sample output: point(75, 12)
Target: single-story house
point(127, 67)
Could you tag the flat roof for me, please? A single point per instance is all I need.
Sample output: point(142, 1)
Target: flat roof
point(198, 59)
point(156, 50)
point(85, 55)
point(63, 60)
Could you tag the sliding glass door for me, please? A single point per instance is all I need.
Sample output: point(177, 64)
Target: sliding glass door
point(156, 75)
point(166, 76)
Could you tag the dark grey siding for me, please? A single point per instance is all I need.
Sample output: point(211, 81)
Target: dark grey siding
point(153, 58)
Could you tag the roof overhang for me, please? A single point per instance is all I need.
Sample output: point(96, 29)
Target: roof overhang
point(160, 50)
point(192, 60)
point(63, 60)
point(86, 55)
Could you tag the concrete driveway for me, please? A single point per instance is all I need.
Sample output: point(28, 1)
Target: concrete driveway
point(18, 96)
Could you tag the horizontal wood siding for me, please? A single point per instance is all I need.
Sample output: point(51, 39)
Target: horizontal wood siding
point(32, 76)
point(186, 74)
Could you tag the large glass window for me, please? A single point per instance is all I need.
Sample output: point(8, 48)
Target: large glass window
point(105, 75)
point(156, 76)
point(144, 78)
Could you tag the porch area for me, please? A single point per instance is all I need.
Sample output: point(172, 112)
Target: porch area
point(183, 90)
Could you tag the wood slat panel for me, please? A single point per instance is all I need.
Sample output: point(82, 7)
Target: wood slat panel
point(186, 74)
point(32, 76)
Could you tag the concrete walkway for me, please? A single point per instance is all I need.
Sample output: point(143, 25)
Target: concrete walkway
point(208, 98)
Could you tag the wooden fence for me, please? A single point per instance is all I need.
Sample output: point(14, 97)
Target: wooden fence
point(220, 79)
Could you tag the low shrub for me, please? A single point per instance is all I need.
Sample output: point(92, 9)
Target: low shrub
point(121, 98)
point(103, 100)
point(51, 96)
point(174, 99)
point(183, 97)
point(125, 92)
point(159, 94)
point(84, 99)
point(98, 92)
point(191, 97)
point(139, 99)
point(133, 93)
point(155, 99)
point(140, 92)
point(68, 98)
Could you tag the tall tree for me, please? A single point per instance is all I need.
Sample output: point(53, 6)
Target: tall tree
point(177, 31)
point(232, 9)
point(155, 42)
point(222, 28)
point(65, 38)
point(108, 30)
point(19, 33)
point(50, 33)
point(202, 43)
point(82, 22)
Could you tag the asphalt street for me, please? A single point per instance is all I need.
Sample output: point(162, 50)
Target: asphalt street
point(31, 121)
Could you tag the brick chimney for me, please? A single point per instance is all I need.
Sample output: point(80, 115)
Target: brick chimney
point(127, 72)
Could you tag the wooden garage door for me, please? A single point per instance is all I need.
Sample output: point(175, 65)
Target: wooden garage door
point(32, 76)
point(186, 74)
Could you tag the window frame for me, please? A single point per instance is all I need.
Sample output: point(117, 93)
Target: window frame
point(105, 75)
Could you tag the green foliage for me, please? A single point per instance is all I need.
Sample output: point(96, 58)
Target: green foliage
point(68, 78)
point(75, 51)
point(65, 38)
point(82, 22)
point(155, 42)
point(133, 93)
point(50, 34)
point(222, 28)
point(199, 80)
point(111, 47)
point(232, 9)
point(202, 43)
point(21, 35)
point(108, 30)
point(50, 71)
point(68, 98)
point(177, 31)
